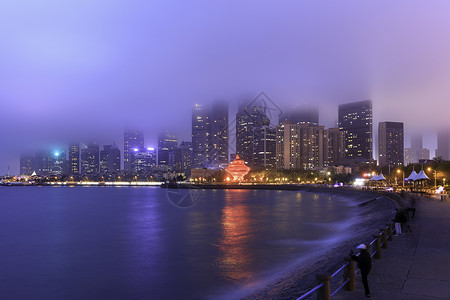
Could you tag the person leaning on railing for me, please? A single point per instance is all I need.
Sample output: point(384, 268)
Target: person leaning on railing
point(364, 261)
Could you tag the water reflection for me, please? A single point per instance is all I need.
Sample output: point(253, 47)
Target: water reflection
point(235, 259)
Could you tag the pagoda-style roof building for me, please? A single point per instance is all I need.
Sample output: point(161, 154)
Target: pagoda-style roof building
point(238, 169)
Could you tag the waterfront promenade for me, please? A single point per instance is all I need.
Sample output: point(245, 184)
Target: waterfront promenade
point(416, 265)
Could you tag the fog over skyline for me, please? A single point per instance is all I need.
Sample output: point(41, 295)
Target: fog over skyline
point(81, 70)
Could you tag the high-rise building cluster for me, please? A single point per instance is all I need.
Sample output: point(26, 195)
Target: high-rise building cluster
point(91, 162)
point(295, 140)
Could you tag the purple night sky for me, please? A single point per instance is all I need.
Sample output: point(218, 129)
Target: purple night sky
point(80, 70)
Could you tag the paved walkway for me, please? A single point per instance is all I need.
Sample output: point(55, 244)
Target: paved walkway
point(414, 266)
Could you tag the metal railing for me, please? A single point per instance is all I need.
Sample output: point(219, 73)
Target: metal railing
point(375, 251)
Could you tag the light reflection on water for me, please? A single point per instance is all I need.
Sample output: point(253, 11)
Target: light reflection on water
point(235, 257)
point(131, 243)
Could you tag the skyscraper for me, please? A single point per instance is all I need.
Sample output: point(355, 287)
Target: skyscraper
point(335, 146)
point(355, 119)
point(183, 156)
point(26, 164)
point(58, 165)
point(43, 162)
point(201, 130)
point(264, 146)
point(144, 160)
point(90, 161)
point(300, 146)
point(219, 134)
point(390, 144)
point(167, 144)
point(74, 158)
point(110, 159)
point(443, 144)
point(132, 138)
point(247, 118)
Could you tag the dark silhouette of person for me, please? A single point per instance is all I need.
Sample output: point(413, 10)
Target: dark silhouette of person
point(364, 261)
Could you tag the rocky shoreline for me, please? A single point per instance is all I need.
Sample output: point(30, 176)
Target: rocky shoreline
point(374, 212)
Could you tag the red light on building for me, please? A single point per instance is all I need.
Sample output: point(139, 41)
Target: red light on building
point(237, 169)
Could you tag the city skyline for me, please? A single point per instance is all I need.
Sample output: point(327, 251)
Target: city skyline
point(316, 146)
point(63, 78)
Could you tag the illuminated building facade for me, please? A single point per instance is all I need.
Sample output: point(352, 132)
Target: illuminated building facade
point(167, 144)
point(334, 146)
point(237, 169)
point(74, 158)
point(201, 135)
point(90, 161)
point(110, 159)
point(355, 120)
point(218, 145)
point(132, 138)
point(390, 144)
point(247, 118)
point(300, 146)
point(58, 165)
point(143, 160)
point(264, 146)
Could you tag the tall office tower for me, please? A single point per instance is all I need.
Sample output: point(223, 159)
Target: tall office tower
point(218, 146)
point(288, 146)
point(43, 163)
point(355, 119)
point(443, 144)
point(74, 158)
point(110, 159)
point(423, 154)
point(58, 163)
point(90, 161)
point(390, 144)
point(247, 118)
point(300, 146)
point(301, 115)
point(183, 157)
point(201, 130)
point(132, 138)
point(335, 146)
point(26, 164)
point(167, 144)
point(264, 146)
point(143, 160)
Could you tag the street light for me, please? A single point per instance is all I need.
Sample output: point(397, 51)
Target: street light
point(403, 173)
point(430, 169)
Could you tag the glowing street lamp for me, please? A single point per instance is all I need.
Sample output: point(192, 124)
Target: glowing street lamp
point(403, 173)
point(430, 169)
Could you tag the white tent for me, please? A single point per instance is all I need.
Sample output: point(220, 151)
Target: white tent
point(412, 176)
point(421, 176)
point(374, 178)
point(381, 177)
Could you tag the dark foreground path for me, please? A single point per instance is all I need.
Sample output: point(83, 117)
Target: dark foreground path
point(414, 266)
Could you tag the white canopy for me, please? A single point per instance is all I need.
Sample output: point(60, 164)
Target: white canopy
point(381, 177)
point(374, 178)
point(412, 176)
point(421, 175)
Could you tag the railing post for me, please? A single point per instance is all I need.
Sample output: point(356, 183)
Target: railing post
point(389, 231)
point(350, 274)
point(384, 245)
point(324, 292)
point(377, 246)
